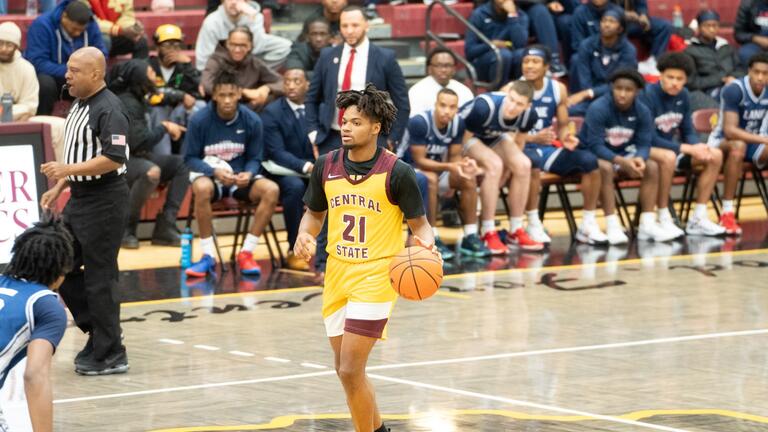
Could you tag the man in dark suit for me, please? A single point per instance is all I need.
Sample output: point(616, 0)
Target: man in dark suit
point(349, 66)
point(287, 145)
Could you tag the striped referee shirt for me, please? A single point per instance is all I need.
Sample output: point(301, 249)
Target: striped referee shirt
point(97, 126)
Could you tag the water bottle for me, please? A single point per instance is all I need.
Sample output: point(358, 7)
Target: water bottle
point(31, 7)
point(677, 17)
point(186, 248)
point(6, 102)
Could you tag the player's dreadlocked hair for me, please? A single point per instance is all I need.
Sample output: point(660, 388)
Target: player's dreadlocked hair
point(42, 253)
point(374, 103)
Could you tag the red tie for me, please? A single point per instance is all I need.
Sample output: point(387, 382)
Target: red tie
point(346, 84)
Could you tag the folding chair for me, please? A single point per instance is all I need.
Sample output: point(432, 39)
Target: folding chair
point(231, 207)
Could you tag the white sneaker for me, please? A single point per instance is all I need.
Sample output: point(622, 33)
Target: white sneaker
point(616, 236)
point(538, 234)
point(648, 66)
point(654, 231)
point(589, 233)
point(672, 228)
point(704, 227)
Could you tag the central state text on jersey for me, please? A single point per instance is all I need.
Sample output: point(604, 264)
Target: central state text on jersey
point(356, 252)
point(354, 200)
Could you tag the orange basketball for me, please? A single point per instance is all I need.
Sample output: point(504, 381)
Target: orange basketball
point(415, 273)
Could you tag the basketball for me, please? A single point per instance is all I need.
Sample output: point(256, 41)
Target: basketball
point(415, 273)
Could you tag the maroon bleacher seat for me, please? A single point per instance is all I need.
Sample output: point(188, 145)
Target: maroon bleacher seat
point(409, 20)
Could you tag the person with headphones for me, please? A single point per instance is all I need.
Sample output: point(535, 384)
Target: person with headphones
point(176, 83)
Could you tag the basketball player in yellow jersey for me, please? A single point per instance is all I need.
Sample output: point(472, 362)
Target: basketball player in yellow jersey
point(366, 191)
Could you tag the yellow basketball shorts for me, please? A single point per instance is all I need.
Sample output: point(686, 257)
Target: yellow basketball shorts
point(357, 298)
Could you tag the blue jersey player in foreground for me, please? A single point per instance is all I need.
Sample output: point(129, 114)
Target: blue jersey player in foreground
point(32, 319)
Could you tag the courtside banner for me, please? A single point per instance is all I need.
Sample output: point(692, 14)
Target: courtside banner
point(21, 184)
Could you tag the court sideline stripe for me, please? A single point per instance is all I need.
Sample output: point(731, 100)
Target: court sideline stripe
point(424, 363)
point(446, 277)
point(574, 349)
point(552, 408)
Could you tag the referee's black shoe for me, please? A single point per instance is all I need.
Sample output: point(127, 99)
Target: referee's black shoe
point(86, 351)
point(116, 363)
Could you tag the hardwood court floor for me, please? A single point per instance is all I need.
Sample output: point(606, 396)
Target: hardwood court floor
point(671, 344)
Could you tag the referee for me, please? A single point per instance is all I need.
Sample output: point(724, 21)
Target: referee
point(95, 152)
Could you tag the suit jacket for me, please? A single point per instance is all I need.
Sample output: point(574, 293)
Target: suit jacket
point(285, 137)
point(383, 71)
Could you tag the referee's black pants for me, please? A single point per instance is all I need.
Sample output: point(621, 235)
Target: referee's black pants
point(96, 214)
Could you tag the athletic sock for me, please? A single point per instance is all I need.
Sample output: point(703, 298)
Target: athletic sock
point(727, 206)
point(664, 214)
point(208, 247)
point(533, 218)
point(488, 226)
point(515, 222)
point(612, 221)
point(700, 211)
point(589, 216)
point(647, 218)
point(470, 229)
point(250, 242)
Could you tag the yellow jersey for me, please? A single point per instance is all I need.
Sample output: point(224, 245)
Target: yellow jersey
point(364, 222)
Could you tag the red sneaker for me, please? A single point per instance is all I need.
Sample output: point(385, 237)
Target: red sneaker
point(248, 265)
point(494, 244)
point(728, 221)
point(521, 239)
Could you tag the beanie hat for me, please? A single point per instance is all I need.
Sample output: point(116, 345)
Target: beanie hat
point(10, 32)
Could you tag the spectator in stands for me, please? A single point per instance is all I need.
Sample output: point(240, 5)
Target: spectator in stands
point(239, 13)
point(494, 122)
point(17, 77)
point(441, 66)
point(287, 145)
point(741, 131)
point(507, 28)
point(350, 67)
point(716, 62)
point(258, 83)
point(331, 11)
point(434, 139)
point(550, 103)
point(122, 33)
point(598, 57)
point(304, 54)
point(618, 129)
point(224, 148)
point(51, 39)
point(675, 144)
point(751, 28)
point(653, 31)
point(542, 24)
point(176, 84)
point(133, 82)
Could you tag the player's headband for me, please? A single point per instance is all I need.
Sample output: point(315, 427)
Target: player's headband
point(707, 15)
point(536, 52)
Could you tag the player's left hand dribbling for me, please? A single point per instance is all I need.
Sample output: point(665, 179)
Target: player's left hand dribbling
point(54, 170)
